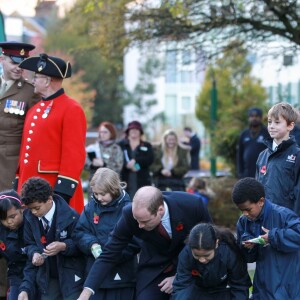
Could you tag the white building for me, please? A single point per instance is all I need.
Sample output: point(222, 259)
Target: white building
point(176, 88)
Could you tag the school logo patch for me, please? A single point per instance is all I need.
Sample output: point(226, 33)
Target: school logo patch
point(291, 158)
point(63, 234)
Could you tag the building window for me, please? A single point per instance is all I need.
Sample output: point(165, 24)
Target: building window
point(186, 105)
point(186, 76)
point(186, 57)
point(171, 69)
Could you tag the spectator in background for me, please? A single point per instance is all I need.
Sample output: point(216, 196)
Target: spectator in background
point(105, 152)
point(138, 156)
point(296, 131)
point(251, 143)
point(170, 164)
point(193, 143)
point(197, 186)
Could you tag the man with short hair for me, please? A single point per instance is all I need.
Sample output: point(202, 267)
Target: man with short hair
point(16, 97)
point(162, 221)
point(251, 143)
point(194, 145)
point(53, 144)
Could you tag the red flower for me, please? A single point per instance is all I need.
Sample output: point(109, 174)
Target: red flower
point(263, 170)
point(195, 273)
point(43, 239)
point(179, 227)
point(2, 246)
point(96, 219)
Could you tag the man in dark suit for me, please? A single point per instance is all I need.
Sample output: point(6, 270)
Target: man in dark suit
point(162, 221)
point(193, 143)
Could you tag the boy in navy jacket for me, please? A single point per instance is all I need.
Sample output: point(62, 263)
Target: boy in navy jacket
point(278, 166)
point(277, 249)
point(55, 263)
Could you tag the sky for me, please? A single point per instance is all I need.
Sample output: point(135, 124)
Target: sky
point(23, 7)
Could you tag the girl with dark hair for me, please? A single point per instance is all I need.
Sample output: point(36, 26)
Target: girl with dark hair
point(11, 240)
point(210, 267)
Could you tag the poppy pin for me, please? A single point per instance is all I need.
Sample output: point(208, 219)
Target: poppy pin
point(43, 239)
point(195, 272)
point(263, 170)
point(2, 245)
point(179, 227)
point(96, 218)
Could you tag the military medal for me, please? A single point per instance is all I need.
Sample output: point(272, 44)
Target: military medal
point(6, 108)
point(47, 110)
point(12, 107)
point(17, 109)
point(22, 108)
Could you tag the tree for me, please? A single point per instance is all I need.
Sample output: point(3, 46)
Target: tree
point(211, 24)
point(141, 98)
point(81, 34)
point(237, 91)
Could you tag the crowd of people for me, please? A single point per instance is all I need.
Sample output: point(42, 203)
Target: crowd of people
point(143, 233)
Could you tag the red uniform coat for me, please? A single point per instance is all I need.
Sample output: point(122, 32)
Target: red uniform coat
point(53, 146)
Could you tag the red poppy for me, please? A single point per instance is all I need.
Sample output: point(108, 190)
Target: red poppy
point(263, 169)
point(43, 239)
point(195, 273)
point(179, 227)
point(96, 219)
point(2, 246)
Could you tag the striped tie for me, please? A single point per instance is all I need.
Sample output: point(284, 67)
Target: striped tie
point(46, 224)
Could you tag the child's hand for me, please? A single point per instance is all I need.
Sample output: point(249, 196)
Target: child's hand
point(54, 248)
point(37, 259)
point(265, 236)
point(248, 245)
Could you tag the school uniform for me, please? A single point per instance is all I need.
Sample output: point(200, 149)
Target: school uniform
point(225, 277)
point(279, 172)
point(94, 226)
point(158, 257)
point(12, 249)
point(53, 146)
point(277, 270)
point(67, 267)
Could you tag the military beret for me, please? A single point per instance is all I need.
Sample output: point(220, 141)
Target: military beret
point(47, 65)
point(16, 51)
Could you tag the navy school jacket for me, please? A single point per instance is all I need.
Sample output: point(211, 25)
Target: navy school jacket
point(70, 263)
point(277, 264)
point(225, 274)
point(94, 226)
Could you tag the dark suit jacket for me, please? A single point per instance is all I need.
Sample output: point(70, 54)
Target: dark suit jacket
point(186, 210)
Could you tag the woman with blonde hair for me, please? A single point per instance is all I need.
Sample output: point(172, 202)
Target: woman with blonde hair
point(170, 164)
